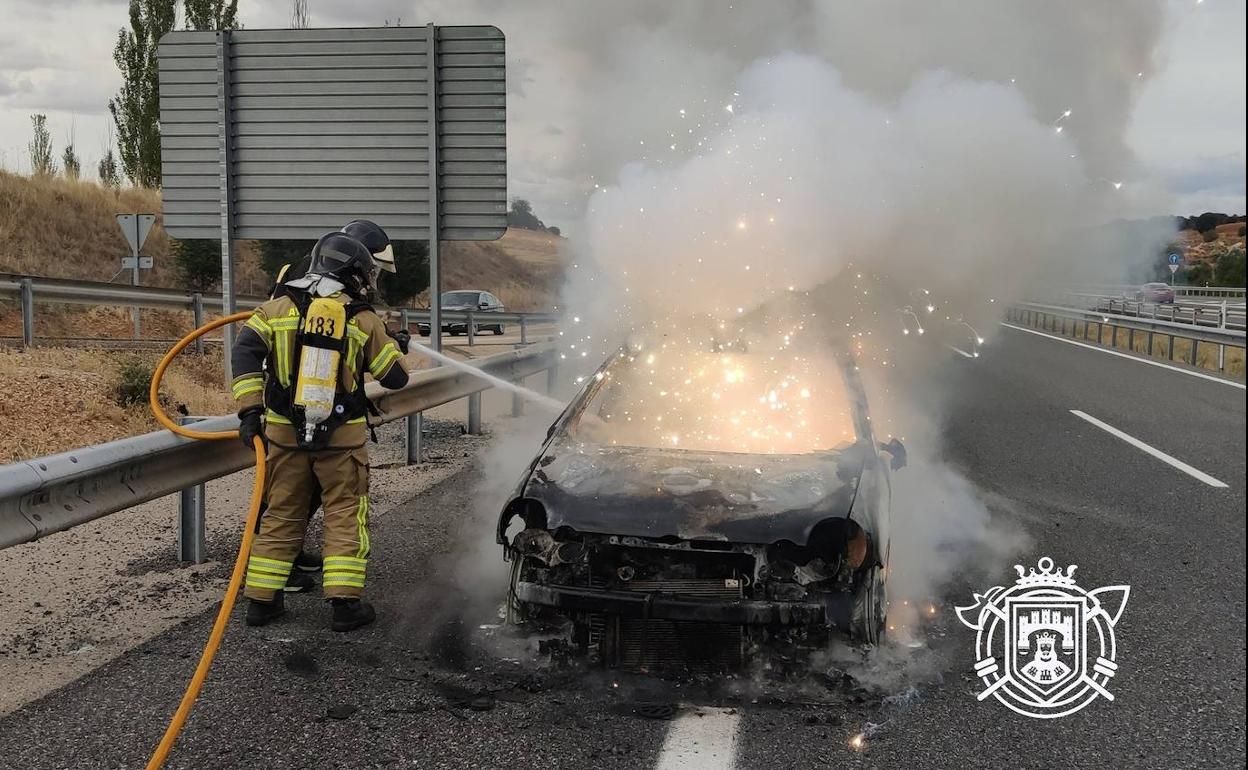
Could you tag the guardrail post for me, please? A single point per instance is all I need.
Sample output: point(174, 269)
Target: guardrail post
point(1150, 342)
point(1195, 348)
point(1131, 339)
point(517, 401)
point(472, 332)
point(1170, 348)
point(1100, 333)
point(192, 505)
point(524, 330)
point(415, 425)
point(552, 380)
point(197, 315)
point(28, 312)
point(1221, 357)
point(474, 414)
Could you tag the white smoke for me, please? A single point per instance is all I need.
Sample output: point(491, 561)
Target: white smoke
point(871, 159)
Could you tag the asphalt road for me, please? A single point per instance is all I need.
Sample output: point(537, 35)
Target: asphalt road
point(428, 687)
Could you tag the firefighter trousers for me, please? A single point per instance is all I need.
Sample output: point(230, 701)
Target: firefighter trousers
point(293, 476)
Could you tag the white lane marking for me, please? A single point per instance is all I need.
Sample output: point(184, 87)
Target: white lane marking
point(701, 739)
point(1100, 349)
point(1160, 455)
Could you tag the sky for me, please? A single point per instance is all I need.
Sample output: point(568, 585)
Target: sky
point(1186, 132)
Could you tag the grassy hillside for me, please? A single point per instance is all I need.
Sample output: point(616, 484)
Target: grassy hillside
point(58, 228)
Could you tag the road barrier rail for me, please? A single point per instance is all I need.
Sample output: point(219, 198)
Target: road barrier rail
point(49, 494)
point(29, 290)
point(1066, 321)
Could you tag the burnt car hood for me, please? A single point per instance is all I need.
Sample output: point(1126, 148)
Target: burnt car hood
point(690, 495)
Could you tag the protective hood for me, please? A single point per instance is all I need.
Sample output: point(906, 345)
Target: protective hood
point(319, 285)
point(657, 493)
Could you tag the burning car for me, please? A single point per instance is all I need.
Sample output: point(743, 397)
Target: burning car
point(692, 510)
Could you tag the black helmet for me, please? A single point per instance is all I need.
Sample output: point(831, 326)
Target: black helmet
point(374, 239)
point(345, 259)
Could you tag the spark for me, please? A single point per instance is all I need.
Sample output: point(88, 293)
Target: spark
point(858, 742)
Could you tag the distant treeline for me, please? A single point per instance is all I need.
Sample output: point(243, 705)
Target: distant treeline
point(1203, 223)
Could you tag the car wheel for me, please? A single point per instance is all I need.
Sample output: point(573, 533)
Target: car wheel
point(516, 612)
point(498, 331)
point(424, 332)
point(866, 624)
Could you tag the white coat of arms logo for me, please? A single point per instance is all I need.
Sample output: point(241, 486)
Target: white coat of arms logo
point(1045, 646)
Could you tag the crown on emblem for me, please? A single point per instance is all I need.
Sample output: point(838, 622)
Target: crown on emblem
point(1047, 636)
point(1047, 574)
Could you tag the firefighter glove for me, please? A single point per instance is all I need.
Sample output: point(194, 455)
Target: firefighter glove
point(402, 338)
point(250, 426)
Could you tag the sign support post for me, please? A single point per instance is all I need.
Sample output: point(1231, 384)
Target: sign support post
point(416, 421)
point(225, 161)
point(135, 228)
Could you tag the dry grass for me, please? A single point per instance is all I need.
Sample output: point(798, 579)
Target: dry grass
point(57, 399)
point(532, 246)
point(525, 269)
point(55, 322)
point(55, 227)
point(1206, 353)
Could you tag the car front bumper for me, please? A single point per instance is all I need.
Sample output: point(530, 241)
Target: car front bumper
point(833, 611)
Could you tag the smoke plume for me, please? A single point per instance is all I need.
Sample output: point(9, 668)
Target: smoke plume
point(885, 171)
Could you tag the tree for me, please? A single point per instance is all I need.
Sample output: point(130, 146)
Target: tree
point(411, 263)
point(136, 108)
point(277, 252)
point(107, 170)
point(41, 161)
point(299, 14)
point(1198, 274)
point(1229, 270)
point(69, 159)
point(198, 263)
point(211, 14)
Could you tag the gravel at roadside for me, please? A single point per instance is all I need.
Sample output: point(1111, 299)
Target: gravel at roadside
point(77, 599)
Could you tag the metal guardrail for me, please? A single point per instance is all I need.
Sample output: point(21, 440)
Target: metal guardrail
point(1119, 289)
point(1208, 291)
point(31, 290)
point(1055, 317)
point(1206, 314)
point(51, 494)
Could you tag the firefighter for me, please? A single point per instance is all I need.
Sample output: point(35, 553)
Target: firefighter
point(299, 367)
point(377, 242)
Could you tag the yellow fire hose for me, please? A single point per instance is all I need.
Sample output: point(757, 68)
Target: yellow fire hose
point(244, 548)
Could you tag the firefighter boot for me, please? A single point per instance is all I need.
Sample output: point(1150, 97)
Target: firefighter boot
point(261, 613)
point(350, 614)
point(298, 582)
point(308, 562)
